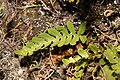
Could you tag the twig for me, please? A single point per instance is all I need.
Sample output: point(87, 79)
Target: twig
point(45, 6)
point(29, 29)
point(27, 6)
point(51, 59)
point(105, 34)
point(50, 74)
point(18, 24)
point(52, 3)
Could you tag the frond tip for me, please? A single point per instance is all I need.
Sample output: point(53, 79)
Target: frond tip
point(59, 36)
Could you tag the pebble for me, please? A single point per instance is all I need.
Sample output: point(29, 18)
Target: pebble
point(21, 79)
point(117, 2)
point(20, 72)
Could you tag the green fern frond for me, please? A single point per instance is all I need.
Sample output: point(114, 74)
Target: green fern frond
point(59, 36)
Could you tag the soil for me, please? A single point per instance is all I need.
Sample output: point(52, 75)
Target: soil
point(20, 20)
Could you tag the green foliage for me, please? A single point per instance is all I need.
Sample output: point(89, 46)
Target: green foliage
point(54, 37)
point(92, 59)
point(107, 58)
point(118, 48)
point(83, 53)
point(82, 28)
point(112, 56)
point(93, 48)
point(83, 38)
point(108, 73)
point(71, 60)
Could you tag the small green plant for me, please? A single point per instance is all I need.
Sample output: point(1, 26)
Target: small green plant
point(94, 61)
point(104, 61)
point(54, 37)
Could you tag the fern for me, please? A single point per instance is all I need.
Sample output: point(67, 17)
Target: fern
point(111, 54)
point(54, 37)
point(106, 57)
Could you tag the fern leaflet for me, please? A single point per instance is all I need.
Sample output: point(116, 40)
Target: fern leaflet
point(54, 37)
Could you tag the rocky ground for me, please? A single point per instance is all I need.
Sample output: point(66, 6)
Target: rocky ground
point(20, 20)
